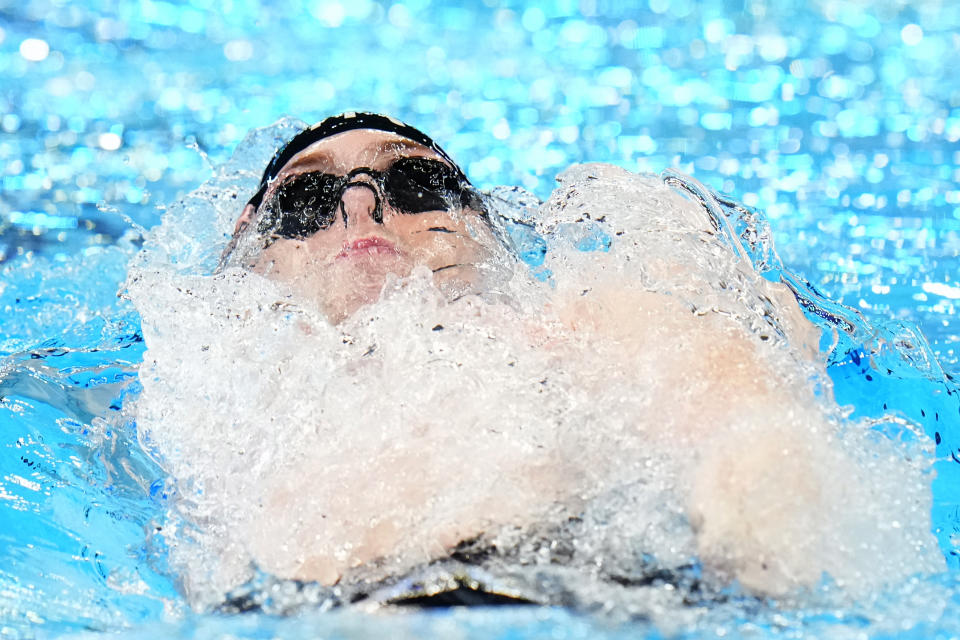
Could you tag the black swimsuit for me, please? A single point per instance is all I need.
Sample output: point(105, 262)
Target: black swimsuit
point(445, 583)
point(476, 573)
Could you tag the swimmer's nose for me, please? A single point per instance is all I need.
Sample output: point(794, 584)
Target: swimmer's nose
point(360, 201)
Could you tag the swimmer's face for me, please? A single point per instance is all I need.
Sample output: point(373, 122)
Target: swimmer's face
point(341, 255)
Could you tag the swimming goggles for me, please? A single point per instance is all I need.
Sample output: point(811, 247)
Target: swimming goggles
point(305, 203)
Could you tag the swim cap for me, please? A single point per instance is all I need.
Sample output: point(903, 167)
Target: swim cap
point(338, 124)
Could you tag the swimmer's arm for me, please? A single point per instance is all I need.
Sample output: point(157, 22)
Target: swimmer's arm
point(756, 481)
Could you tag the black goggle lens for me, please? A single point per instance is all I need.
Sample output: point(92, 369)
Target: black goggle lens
point(307, 203)
point(417, 185)
point(302, 205)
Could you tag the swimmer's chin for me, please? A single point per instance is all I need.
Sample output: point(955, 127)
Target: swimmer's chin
point(340, 304)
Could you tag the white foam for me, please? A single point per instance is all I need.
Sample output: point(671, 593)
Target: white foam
point(661, 391)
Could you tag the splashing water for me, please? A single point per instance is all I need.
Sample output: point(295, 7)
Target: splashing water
point(641, 422)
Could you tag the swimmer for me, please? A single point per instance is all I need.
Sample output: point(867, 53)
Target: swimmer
point(360, 198)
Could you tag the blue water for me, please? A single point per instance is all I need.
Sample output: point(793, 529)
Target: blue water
point(839, 120)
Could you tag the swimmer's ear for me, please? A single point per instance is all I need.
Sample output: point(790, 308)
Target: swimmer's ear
point(243, 221)
point(245, 218)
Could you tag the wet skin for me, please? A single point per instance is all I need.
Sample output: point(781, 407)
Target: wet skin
point(346, 265)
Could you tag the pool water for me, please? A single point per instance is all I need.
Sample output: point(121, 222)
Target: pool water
point(838, 120)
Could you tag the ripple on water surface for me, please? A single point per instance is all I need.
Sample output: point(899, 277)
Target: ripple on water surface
point(192, 424)
point(839, 120)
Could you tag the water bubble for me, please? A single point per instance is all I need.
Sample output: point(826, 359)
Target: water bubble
point(501, 130)
point(399, 16)
point(238, 50)
point(10, 122)
point(331, 14)
point(34, 49)
point(659, 6)
point(716, 121)
point(533, 19)
point(109, 141)
point(942, 290)
point(773, 48)
point(716, 30)
point(911, 35)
